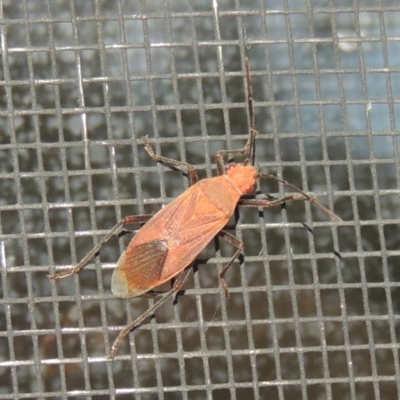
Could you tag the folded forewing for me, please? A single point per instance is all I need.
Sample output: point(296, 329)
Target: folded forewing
point(139, 268)
point(186, 225)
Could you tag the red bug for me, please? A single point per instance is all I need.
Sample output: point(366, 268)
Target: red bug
point(169, 242)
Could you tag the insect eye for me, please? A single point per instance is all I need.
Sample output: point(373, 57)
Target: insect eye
point(250, 188)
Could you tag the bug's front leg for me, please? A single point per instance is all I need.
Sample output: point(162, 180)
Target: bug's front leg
point(170, 162)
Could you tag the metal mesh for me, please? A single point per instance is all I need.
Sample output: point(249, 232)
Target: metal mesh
point(313, 312)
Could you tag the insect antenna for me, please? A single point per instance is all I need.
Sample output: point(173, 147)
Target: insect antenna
point(249, 147)
point(249, 94)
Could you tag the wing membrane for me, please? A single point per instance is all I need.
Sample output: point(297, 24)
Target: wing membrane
point(139, 268)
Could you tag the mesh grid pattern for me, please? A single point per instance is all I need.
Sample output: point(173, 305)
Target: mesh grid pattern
point(312, 311)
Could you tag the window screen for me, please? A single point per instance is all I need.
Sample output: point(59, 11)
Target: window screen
point(313, 311)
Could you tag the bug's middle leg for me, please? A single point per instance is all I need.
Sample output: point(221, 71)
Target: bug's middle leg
point(234, 241)
point(170, 162)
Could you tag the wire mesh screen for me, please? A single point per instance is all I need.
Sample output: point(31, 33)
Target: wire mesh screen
point(313, 311)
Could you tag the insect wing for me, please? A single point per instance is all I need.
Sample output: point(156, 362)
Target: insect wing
point(167, 243)
point(188, 224)
point(191, 239)
point(139, 268)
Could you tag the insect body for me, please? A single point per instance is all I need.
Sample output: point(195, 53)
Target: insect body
point(171, 239)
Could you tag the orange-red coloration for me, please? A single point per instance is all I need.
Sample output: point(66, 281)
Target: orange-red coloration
point(173, 238)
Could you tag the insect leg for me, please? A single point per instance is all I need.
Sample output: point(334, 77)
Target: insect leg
point(180, 279)
point(228, 237)
point(302, 196)
point(234, 241)
point(246, 150)
point(192, 174)
point(133, 219)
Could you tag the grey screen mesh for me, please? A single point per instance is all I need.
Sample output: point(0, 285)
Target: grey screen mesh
point(313, 307)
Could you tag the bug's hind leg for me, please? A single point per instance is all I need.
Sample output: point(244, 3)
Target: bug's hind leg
point(138, 321)
point(181, 165)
